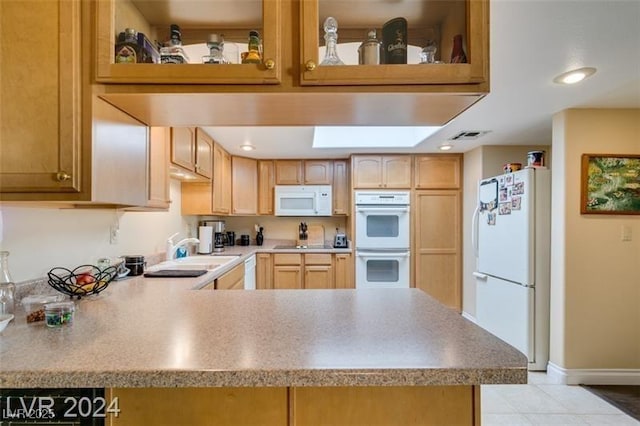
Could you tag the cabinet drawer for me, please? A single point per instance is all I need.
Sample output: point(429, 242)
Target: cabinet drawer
point(317, 259)
point(287, 259)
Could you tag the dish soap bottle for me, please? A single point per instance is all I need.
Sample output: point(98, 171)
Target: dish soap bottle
point(7, 287)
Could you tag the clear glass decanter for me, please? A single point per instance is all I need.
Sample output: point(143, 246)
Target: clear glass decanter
point(7, 287)
point(331, 42)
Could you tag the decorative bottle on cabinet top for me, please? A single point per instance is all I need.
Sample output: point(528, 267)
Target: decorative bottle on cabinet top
point(215, 45)
point(254, 55)
point(172, 52)
point(331, 42)
point(457, 53)
point(394, 41)
point(7, 287)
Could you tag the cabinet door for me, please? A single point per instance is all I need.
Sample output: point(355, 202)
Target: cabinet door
point(341, 187)
point(437, 171)
point(266, 181)
point(318, 277)
point(221, 181)
point(244, 184)
point(438, 245)
point(40, 124)
point(287, 277)
point(289, 172)
point(444, 20)
point(204, 154)
point(318, 172)
point(197, 20)
point(232, 280)
point(196, 198)
point(367, 171)
point(396, 171)
point(159, 141)
point(264, 271)
point(183, 147)
point(344, 270)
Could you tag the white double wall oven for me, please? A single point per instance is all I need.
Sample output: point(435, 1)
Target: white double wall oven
point(383, 227)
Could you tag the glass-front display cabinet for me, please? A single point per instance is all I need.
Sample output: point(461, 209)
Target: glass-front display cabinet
point(382, 42)
point(188, 41)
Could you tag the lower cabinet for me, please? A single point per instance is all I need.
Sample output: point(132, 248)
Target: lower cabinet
point(264, 271)
point(299, 406)
point(232, 280)
point(304, 271)
point(343, 267)
point(287, 271)
point(318, 271)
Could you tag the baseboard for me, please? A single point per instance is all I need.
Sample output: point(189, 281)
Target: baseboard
point(589, 376)
point(469, 317)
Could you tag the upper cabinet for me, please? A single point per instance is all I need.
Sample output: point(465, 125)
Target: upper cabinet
point(289, 172)
point(318, 172)
point(428, 23)
point(192, 152)
point(244, 186)
point(198, 20)
point(381, 171)
point(442, 171)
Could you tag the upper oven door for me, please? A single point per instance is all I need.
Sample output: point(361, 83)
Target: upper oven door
point(382, 227)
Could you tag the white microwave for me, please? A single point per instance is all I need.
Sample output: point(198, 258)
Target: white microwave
point(303, 200)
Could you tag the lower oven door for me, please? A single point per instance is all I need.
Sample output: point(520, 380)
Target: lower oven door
point(382, 269)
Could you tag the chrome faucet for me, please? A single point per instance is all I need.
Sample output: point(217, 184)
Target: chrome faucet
point(173, 248)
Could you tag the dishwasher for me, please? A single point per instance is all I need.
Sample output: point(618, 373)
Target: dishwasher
point(250, 273)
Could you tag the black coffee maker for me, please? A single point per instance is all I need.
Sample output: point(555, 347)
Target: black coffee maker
point(218, 241)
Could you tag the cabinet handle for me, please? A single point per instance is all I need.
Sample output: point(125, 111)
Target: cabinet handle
point(310, 65)
point(269, 64)
point(62, 176)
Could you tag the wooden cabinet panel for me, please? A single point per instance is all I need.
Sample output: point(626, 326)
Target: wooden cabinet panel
point(318, 277)
point(264, 271)
point(438, 171)
point(244, 184)
point(287, 259)
point(221, 181)
point(289, 172)
point(396, 171)
point(204, 154)
point(318, 172)
point(232, 280)
point(317, 259)
point(196, 198)
point(367, 171)
point(41, 120)
point(438, 250)
point(344, 271)
point(266, 182)
point(341, 188)
point(200, 406)
point(159, 141)
point(287, 277)
point(183, 147)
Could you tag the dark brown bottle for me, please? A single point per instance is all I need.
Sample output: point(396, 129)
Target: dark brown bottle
point(394, 41)
point(457, 53)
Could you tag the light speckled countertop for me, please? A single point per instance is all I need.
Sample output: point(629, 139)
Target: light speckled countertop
point(162, 333)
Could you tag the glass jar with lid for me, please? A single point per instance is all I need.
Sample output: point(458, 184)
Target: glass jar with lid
point(7, 287)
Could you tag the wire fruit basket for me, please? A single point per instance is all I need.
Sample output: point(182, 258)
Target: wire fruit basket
point(81, 281)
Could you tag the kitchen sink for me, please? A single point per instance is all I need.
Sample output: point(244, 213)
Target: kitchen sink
point(194, 263)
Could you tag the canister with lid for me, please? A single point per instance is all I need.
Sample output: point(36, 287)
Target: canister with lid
point(135, 264)
point(369, 50)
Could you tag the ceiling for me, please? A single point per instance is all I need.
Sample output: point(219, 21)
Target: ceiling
point(532, 41)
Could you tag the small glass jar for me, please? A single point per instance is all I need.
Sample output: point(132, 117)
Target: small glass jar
point(59, 314)
point(7, 287)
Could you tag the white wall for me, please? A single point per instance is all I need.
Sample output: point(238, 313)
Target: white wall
point(42, 238)
point(595, 300)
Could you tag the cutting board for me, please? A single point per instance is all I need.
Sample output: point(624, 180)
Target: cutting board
point(175, 273)
point(315, 235)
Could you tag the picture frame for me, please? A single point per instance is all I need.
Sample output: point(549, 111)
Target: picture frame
point(610, 184)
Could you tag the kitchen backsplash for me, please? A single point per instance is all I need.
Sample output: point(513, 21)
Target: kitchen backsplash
point(282, 228)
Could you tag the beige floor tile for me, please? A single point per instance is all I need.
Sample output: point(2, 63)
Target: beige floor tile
point(539, 378)
point(556, 419)
point(490, 419)
point(578, 400)
point(530, 399)
point(610, 419)
point(493, 401)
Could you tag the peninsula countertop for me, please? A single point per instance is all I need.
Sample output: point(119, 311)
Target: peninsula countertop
point(146, 333)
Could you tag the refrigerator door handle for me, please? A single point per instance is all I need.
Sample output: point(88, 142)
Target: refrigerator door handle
point(480, 275)
point(474, 230)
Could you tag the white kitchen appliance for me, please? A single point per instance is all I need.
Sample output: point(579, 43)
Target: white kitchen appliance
point(382, 238)
point(303, 200)
point(511, 236)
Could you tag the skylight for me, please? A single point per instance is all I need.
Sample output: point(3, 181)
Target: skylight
point(371, 136)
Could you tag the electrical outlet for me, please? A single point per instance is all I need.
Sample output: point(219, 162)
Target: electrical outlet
point(113, 235)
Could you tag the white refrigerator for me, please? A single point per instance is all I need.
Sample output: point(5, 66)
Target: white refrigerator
point(511, 236)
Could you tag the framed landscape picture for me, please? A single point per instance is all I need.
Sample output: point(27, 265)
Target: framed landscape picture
point(610, 184)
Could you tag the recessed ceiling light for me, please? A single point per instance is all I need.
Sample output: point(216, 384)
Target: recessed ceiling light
point(574, 76)
point(445, 147)
point(247, 147)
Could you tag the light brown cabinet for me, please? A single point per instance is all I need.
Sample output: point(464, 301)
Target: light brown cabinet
point(438, 245)
point(191, 151)
point(318, 172)
point(232, 280)
point(266, 183)
point(341, 188)
point(387, 171)
point(159, 142)
point(344, 271)
point(287, 271)
point(289, 172)
point(318, 271)
point(264, 271)
point(221, 181)
point(437, 171)
point(244, 186)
